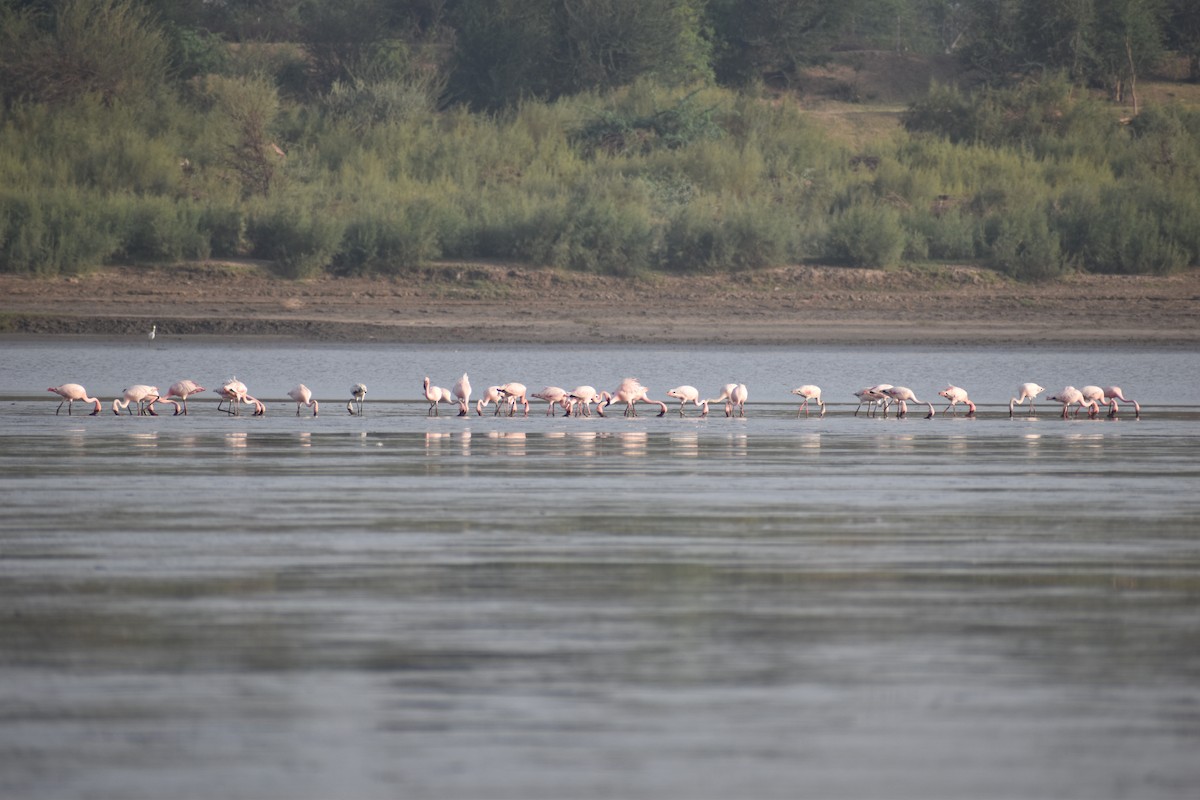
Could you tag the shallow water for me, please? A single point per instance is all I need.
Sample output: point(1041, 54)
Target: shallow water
point(655, 607)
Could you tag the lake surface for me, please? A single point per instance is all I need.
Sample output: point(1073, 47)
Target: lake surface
point(398, 606)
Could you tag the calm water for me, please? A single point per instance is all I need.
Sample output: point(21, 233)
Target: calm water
point(395, 606)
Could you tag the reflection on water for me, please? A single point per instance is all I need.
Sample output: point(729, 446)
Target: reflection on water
point(653, 607)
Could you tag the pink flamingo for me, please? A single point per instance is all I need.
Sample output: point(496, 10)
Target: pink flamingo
point(956, 395)
point(182, 389)
point(70, 392)
point(630, 392)
point(236, 393)
point(1025, 390)
point(584, 396)
point(1113, 394)
point(143, 396)
point(462, 393)
point(809, 392)
point(1070, 396)
point(435, 395)
point(303, 397)
point(874, 395)
point(685, 394)
point(515, 393)
point(735, 396)
point(1095, 396)
point(554, 396)
point(903, 396)
point(491, 395)
point(358, 393)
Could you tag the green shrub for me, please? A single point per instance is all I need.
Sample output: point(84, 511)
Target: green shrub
point(866, 236)
point(1022, 244)
point(47, 233)
point(300, 239)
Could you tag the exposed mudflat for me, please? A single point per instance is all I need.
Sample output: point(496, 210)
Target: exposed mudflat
point(493, 303)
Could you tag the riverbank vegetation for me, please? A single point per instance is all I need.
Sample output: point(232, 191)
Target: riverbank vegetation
point(610, 136)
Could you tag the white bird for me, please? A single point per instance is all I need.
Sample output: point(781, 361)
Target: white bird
point(153, 330)
point(735, 396)
point(1025, 390)
point(515, 393)
point(359, 393)
point(956, 395)
point(143, 396)
point(491, 394)
point(554, 396)
point(875, 396)
point(584, 396)
point(1070, 396)
point(903, 396)
point(630, 392)
point(809, 392)
point(462, 393)
point(685, 394)
point(436, 395)
point(303, 397)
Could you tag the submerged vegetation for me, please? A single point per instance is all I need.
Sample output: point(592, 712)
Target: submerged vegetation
point(385, 155)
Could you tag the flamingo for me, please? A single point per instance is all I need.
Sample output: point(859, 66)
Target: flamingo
point(903, 395)
point(1069, 396)
point(630, 392)
point(1025, 390)
point(585, 396)
point(734, 395)
point(491, 394)
point(303, 397)
point(1095, 396)
point(435, 395)
point(876, 396)
point(462, 393)
point(236, 393)
point(515, 393)
point(1113, 394)
point(956, 395)
point(554, 395)
point(140, 394)
point(685, 394)
point(358, 393)
point(809, 392)
point(182, 389)
point(70, 392)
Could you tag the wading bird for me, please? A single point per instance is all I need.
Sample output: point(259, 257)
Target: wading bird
point(584, 396)
point(235, 393)
point(903, 396)
point(876, 397)
point(1025, 390)
point(685, 394)
point(515, 393)
point(183, 390)
point(358, 393)
point(142, 396)
point(809, 392)
point(630, 392)
point(554, 396)
point(435, 395)
point(490, 395)
point(303, 397)
point(462, 393)
point(1113, 394)
point(956, 395)
point(153, 330)
point(1070, 396)
point(71, 392)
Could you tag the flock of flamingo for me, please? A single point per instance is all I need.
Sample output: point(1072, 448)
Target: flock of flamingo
point(579, 401)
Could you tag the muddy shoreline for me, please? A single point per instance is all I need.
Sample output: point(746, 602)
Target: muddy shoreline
point(499, 304)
